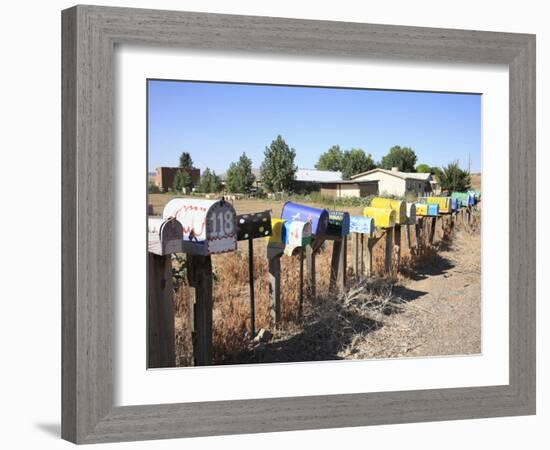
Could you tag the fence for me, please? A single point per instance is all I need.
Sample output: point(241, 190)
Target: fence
point(201, 228)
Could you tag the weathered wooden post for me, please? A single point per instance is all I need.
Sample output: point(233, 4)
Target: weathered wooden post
point(432, 230)
point(360, 226)
point(274, 269)
point(397, 244)
point(209, 227)
point(164, 239)
point(418, 227)
point(288, 237)
point(199, 275)
point(384, 218)
point(249, 227)
point(338, 229)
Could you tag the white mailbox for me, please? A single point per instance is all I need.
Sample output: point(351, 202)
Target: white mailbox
point(164, 236)
point(209, 226)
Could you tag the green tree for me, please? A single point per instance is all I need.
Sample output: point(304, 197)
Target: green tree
point(209, 183)
point(239, 175)
point(453, 178)
point(185, 161)
point(332, 159)
point(278, 169)
point(423, 168)
point(404, 158)
point(182, 180)
point(356, 161)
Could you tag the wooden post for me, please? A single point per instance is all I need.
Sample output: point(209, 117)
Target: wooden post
point(274, 265)
point(310, 262)
point(355, 254)
point(408, 235)
point(418, 226)
point(301, 305)
point(370, 245)
point(397, 243)
point(335, 263)
point(432, 230)
point(199, 273)
point(342, 265)
point(251, 285)
point(161, 348)
point(362, 255)
point(389, 251)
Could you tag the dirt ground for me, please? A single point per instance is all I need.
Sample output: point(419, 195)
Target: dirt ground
point(440, 313)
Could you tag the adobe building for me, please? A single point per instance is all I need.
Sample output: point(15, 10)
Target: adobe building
point(164, 176)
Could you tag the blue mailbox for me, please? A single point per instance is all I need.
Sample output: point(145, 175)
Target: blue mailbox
point(318, 218)
point(338, 223)
point(361, 224)
point(454, 204)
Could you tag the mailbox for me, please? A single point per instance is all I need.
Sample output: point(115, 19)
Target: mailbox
point(476, 194)
point(444, 203)
point(253, 225)
point(398, 206)
point(454, 204)
point(465, 198)
point(338, 223)
point(296, 234)
point(427, 209)
point(318, 218)
point(383, 217)
point(209, 226)
point(361, 224)
point(276, 238)
point(411, 213)
point(164, 236)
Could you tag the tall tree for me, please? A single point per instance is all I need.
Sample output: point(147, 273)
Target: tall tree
point(332, 159)
point(210, 182)
point(423, 168)
point(278, 169)
point(182, 180)
point(453, 178)
point(356, 161)
point(186, 162)
point(239, 175)
point(404, 158)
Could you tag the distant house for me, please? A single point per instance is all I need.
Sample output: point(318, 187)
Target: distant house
point(394, 182)
point(311, 179)
point(164, 176)
point(349, 188)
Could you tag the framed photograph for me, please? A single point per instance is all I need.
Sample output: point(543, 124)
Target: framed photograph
point(268, 222)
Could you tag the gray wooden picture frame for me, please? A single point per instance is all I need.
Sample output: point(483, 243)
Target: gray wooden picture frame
point(90, 34)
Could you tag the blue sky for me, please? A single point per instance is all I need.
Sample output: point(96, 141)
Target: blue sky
point(216, 122)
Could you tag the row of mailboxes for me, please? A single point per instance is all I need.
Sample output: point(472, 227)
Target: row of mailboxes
point(383, 217)
point(361, 224)
point(427, 209)
point(398, 206)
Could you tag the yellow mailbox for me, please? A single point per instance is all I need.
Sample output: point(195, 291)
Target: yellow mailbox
point(276, 238)
point(383, 217)
point(400, 208)
point(444, 203)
